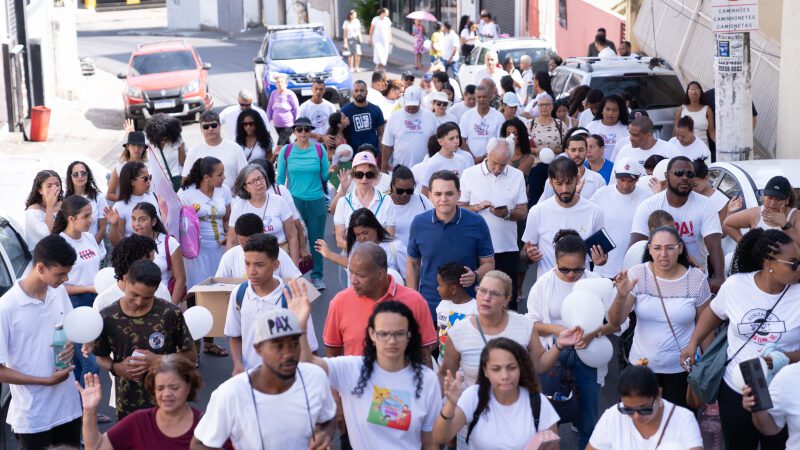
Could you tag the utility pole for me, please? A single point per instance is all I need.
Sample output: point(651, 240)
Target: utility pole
point(732, 22)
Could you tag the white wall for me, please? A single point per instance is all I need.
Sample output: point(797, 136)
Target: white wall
point(252, 16)
point(183, 14)
point(209, 16)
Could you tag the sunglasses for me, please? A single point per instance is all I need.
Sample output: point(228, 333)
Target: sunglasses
point(210, 125)
point(438, 103)
point(643, 411)
point(146, 178)
point(399, 191)
point(248, 124)
point(303, 129)
point(80, 174)
point(681, 173)
point(794, 265)
point(360, 175)
point(566, 270)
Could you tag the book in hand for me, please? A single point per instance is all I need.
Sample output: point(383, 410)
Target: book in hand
point(602, 239)
point(544, 440)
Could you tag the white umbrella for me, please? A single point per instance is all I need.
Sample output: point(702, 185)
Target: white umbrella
point(422, 15)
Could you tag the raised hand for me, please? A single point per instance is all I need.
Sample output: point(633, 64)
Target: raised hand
point(624, 284)
point(322, 248)
point(735, 204)
point(128, 126)
point(570, 337)
point(345, 180)
point(297, 301)
point(112, 216)
point(453, 386)
point(91, 395)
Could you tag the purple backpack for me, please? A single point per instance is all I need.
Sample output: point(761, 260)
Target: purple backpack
point(189, 228)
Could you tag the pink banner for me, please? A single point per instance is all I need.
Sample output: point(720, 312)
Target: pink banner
point(168, 201)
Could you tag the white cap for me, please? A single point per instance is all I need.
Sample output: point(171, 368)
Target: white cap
point(511, 99)
point(412, 96)
point(275, 323)
point(439, 97)
point(628, 166)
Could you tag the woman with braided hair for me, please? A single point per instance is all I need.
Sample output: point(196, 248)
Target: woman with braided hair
point(164, 134)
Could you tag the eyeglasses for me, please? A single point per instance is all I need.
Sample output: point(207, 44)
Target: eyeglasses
point(146, 178)
point(438, 103)
point(663, 248)
point(794, 265)
point(681, 173)
point(490, 293)
point(399, 191)
point(360, 175)
point(256, 181)
point(245, 105)
point(303, 129)
point(399, 336)
point(545, 105)
point(248, 124)
point(643, 411)
point(80, 174)
point(206, 126)
point(566, 270)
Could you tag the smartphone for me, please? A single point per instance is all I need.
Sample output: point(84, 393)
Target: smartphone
point(753, 376)
point(501, 207)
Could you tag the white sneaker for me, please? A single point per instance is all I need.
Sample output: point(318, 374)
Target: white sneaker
point(318, 284)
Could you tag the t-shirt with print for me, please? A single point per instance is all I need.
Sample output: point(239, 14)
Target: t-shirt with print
point(210, 211)
point(364, 124)
point(611, 134)
point(90, 255)
point(652, 338)
point(317, 113)
point(615, 431)
point(388, 413)
point(409, 134)
point(477, 129)
point(618, 210)
point(744, 304)
point(404, 214)
point(273, 213)
point(447, 314)
point(231, 412)
point(437, 162)
point(505, 427)
point(231, 265)
point(694, 221)
point(786, 403)
point(161, 331)
point(140, 430)
point(695, 150)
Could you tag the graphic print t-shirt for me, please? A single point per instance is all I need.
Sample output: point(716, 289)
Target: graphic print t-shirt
point(447, 314)
point(364, 124)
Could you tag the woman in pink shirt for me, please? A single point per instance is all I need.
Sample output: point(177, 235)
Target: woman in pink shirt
point(282, 109)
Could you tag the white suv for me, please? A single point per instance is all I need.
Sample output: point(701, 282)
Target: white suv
point(539, 50)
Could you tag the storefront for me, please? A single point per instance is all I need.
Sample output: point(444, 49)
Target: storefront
point(444, 10)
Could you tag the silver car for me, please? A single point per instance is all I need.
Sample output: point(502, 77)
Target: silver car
point(539, 50)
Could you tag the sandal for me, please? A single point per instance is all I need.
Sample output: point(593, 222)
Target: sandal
point(214, 349)
point(102, 418)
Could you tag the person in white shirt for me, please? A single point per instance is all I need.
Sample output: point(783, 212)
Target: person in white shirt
point(42, 205)
point(643, 419)
point(439, 104)
point(317, 110)
point(590, 181)
point(496, 190)
point(405, 137)
point(229, 115)
point(644, 144)
point(785, 410)
point(449, 47)
point(448, 139)
point(504, 410)
point(376, 87)
point(490, 69)
point(565, 210)
point(468, 102)
point(296, 396)
point(351, 35)
point(45, 408)
point(618, 203)
point(213, 144)
point(407, 203)
point(486, 28)
point(232, 264)
point(80, 181)
point(696, 221)
point(612, 124)
point(591, 107)
point(390, 398)
point(687, 143)
point(527, 77)
point(134, 189)
point(604, 51)
point(480, 124)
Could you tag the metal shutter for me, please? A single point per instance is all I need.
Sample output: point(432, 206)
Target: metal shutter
point(504, 10)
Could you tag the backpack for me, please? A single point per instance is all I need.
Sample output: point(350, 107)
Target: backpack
point(189, 228)
point(240, 291)
point(319, 155)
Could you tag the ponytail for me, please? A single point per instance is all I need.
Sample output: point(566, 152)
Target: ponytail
point(200, 168)
point(70, 207)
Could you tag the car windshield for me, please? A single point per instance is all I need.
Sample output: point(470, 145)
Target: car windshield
point(161, 62)
point(302, 48)
point(648, 91)
point(539, 56)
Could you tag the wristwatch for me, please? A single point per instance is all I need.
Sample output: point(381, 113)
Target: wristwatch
point(786, 226)
point(508, 216)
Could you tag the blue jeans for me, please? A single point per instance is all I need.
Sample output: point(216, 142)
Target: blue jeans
point(588, 394)
point(314, 214)
point(83, 365)
point(453, 67)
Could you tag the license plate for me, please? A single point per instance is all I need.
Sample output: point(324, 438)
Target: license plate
point(305, 92)
point(164, 104)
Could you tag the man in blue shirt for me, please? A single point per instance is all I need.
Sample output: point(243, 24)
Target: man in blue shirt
point(595, 159)
point(366, 119)
point(447, 233)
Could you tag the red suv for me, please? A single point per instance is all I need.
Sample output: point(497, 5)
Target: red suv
point(164, 77)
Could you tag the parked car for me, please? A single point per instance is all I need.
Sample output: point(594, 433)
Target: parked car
point(164, 77)
point(653, 87)
point(539, 50)
point(303, 53)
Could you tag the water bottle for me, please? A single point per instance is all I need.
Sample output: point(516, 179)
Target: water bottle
point(59, 343)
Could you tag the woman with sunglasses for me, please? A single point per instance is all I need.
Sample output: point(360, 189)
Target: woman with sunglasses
point(498, 410)
point(763, 275)
point(135, 149)
point(303, 167)
point(407, 204)
point(668, 296)
point(134, 188)
point(643, 419)
point(42, 205)
point(777, 212)
point(80, 181)
point(282, 108)
point(446, 142)
point(252, 135)
point(545, 301)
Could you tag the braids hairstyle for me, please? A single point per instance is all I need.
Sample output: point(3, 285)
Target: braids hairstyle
point(70, 207)
point(413, 352)
point(129, 172)
point(568, 242)
point(334, 121)
point(162, 127)
point(683, 258)
point(200, 168)
point(756, 247)
point(91, 186)
point(527, 376)
point(150, 210)
point(523, 139)
point(638, 381)
point(34, 197)
point(262, 134)
point(129, 250)
point(363, 217)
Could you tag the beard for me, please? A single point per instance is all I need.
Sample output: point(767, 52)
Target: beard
point(678, 190)
point(360, 99)
point(566, 197)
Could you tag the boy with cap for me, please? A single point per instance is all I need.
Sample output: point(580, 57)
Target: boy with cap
point(289, 403)
point(412, 126)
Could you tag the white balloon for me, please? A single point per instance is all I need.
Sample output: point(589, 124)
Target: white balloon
point(660, 171)
point(600, 286)
point(546, 155)
point(199, 321)
point(83, 324)
point(397, 277)
point(672, 445)
point(584, 309)
point(104, 279)
point(634, 255)
point(598, 353)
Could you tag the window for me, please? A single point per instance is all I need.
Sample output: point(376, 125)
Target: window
point(302, 48)
point(648, 91)
point(558, 81)
point(17, 253)
point(574, 81)
point(163, 62)
point(562, 13)
point(472, 59)
point(730, 186)
point(539, 56)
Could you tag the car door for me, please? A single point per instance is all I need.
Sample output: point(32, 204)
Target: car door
point(725, 182)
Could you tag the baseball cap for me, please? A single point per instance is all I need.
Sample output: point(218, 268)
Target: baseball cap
point(439, 97)
point(407, 75)
point(364, 158)
point(428, 76)
point(511, 99)
point(778, 187)
point(412, 96)
point(628, 166)
point(274, 324)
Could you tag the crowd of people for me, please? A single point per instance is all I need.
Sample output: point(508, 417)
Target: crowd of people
point(443, 200)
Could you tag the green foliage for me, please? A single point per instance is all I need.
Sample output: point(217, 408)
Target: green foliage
point(366, 9)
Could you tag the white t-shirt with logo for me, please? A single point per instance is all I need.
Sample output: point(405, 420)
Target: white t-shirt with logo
point(695, 150)
point(229, 152)
point(408, 134)
point(546, 218)
point(387, 414)
point(210, 211)
point(695, 220)
point(456, 164)
point(273, 213)
point(786, 403)
point(447, 314)
point(505, 427)
point(611, 134)
point(232, 414)
point(90, 254)
point(618, 211)
point(317, 113)
point(615, 431)
point(478, 130)
point(662, 148)
point(232, 265)
point(404, 214)
point(744, 304)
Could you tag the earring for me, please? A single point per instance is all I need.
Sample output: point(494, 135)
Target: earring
point(770, 270)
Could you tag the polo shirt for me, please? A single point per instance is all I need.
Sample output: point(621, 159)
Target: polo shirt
point(26, 336)
point(478, 183)
point(348, 317)
point(464, 239)
point(604, 171)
